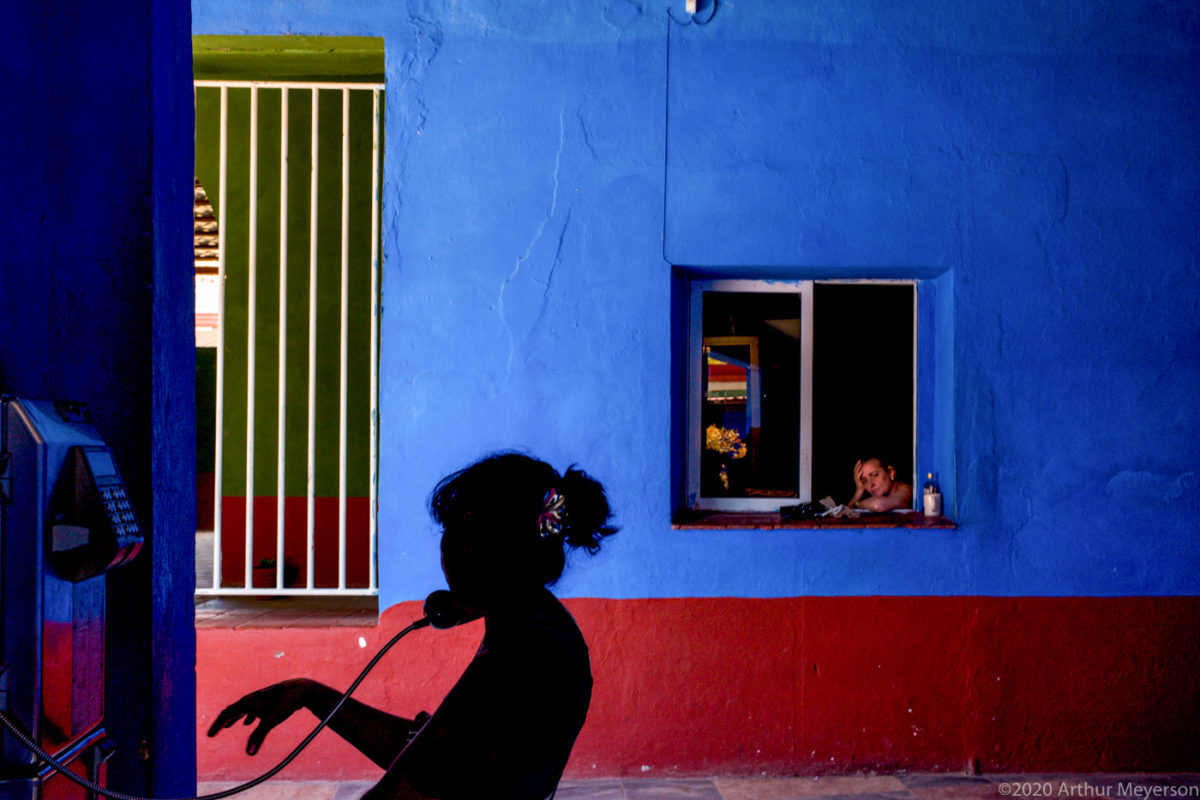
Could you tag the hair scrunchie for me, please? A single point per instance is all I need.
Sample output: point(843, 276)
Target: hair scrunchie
point(554, 512)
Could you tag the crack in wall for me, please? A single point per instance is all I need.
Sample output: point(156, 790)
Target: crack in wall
point(405, 112)
point(516, 270)
point(562, 235)
point(583, 128)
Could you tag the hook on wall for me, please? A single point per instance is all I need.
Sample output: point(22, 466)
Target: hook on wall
point(695, 12)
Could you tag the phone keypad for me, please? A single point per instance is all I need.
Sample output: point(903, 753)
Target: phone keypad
point(120, 512)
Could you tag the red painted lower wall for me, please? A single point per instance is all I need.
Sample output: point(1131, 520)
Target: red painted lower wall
point(205, 481)
point(295, 539)
point(785, 686)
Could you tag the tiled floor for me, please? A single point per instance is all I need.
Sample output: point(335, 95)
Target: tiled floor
point(274, 612)
point(286, 612)
point(839, 787)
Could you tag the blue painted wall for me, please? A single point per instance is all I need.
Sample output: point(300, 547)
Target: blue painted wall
point(96, 306)
point(548, 163)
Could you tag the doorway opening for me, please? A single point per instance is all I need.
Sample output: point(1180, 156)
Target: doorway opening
point(289, 142)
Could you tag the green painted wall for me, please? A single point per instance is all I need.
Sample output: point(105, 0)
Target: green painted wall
point(292, 58)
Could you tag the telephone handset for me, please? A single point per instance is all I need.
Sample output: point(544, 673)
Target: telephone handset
point(91, 527)
point(443, 611)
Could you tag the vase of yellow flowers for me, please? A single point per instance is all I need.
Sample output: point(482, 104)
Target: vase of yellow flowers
point(725, 445)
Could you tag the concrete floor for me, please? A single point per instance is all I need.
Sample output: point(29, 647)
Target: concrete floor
point(839, 787)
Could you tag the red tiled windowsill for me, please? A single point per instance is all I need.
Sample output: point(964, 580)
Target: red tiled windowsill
point(718, 520)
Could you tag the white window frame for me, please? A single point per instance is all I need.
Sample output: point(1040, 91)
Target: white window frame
point(695, 364)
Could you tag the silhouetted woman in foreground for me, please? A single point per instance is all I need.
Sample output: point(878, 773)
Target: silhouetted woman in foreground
point(507, 727)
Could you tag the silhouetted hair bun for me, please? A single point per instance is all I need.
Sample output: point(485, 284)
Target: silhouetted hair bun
point(519, 513)
point(588, 513)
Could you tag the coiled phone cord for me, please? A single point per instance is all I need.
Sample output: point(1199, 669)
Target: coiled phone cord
point(15, 729)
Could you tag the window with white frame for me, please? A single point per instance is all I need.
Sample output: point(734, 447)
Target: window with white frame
point(789, 383)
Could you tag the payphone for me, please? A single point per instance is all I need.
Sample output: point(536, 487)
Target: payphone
point(65, 521)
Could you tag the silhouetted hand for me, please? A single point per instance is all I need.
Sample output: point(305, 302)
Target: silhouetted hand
point(269, 706)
